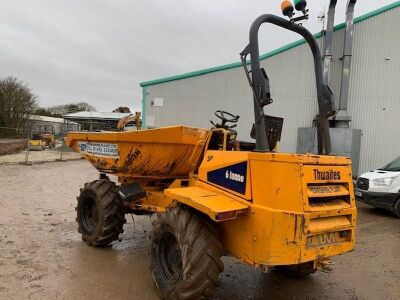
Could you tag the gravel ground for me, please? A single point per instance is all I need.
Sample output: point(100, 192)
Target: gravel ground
point(43, 257)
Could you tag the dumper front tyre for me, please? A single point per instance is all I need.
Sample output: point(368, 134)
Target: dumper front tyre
point(185, 255)
point(297, 271)
point(100, 213)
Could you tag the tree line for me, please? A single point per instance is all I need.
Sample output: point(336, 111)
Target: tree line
point(59, 110)
point(17, 102)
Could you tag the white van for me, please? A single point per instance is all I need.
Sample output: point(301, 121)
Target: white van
point(381, 188)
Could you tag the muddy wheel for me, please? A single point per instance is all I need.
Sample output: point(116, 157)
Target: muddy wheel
point(297, 271)
point(185, 255)
point(100, 214)
point(396, 208)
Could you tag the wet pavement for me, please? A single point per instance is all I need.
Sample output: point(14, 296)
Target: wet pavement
point(43, 257)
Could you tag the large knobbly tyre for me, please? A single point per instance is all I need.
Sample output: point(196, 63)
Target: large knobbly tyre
point(297, 271)
point(100, 213)
point(185, 255)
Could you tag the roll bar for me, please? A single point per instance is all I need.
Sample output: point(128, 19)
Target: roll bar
point(260, 83)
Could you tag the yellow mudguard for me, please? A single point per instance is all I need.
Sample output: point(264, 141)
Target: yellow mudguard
point(217, 206)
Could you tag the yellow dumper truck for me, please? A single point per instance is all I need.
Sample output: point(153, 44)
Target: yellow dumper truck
point(214, 195)
point(39, 141)
point(36, 143)
point(49, 139)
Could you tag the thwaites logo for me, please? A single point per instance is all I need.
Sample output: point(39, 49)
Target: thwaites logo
point(326, 175)
point(232, 177)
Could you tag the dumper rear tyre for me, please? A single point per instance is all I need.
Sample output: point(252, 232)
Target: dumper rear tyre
point(297, 271)
point(100, 213)
point(185, 255)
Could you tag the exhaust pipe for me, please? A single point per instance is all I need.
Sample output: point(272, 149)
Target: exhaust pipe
point(328, 41)
point(343, 118)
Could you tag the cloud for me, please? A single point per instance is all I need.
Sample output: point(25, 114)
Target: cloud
point(99, 51)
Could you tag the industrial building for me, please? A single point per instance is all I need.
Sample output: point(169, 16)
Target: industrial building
point(57, 126)
point(374, 95)
point(96, 121)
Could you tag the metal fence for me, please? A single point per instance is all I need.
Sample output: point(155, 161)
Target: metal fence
point(25, 146)
point(15, 142)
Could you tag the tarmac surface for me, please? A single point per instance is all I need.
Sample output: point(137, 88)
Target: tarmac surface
point(42, 255)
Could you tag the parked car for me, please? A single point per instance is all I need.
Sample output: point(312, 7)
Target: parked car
point(381, 188)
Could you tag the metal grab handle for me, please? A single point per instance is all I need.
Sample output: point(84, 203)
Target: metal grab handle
point(198, 144)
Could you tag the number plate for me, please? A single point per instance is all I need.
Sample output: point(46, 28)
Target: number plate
point(327, 189)
point(328, 238)
point(358, 193)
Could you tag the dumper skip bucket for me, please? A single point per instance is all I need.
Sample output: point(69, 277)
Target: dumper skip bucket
point(168, 152)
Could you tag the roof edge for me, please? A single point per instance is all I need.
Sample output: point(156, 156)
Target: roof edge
point(268, 54)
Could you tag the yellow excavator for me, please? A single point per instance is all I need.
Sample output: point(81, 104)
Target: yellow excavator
point(214, 195)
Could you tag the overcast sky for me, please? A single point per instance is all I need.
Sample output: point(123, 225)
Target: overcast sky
point(99, 51)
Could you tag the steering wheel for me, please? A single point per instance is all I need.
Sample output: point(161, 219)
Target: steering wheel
point(221, 114)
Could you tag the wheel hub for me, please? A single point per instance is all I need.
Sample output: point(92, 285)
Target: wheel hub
point(90, 215)
point(169, 255)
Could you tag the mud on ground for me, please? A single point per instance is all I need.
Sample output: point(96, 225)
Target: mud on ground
point(43, 257)
point(10, 146)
